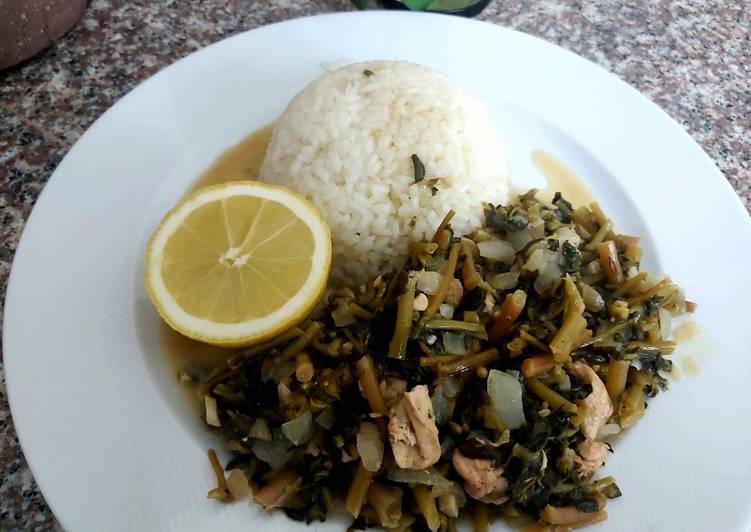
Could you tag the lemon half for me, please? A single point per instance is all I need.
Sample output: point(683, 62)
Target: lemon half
point(237, 263)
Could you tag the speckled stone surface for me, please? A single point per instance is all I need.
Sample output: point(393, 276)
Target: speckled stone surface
point(691, 57)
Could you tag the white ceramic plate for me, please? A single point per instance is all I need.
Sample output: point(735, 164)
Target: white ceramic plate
point(113, 444)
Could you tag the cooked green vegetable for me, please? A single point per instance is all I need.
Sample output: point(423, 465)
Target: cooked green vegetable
point(505, 394)
point(418, 167)
point(499, 359)
point(447, 276)
point(404, 307)
point(510, 310)
point(475, 329)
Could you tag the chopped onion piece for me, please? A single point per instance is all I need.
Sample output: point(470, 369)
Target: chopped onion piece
point(238, 485)
point(236, 446)
point(564, 384)
point(274, 452)
point(327, 418)
point(451, 387)
point(504, 281)
point(443, 405)
point(537, 228)
point(260, 430)
point(593, 301)
point(299, 430)
point(665, 323)
point(568, 234)
point(593, 267)
point(370, 446)
point(428, 282)
point(651, 281)
point(506, 399)
point(538, 259)
point(284, 393)
point(609, 429)
point(343, 316)
point(679, 299)
point(446, 311)
point(453, 343)
point(212, 412)
point(546, 279)
point(271, 370)
point(499, 250)
point(519, 239)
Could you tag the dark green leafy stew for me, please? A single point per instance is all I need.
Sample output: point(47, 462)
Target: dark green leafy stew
point(484, 378)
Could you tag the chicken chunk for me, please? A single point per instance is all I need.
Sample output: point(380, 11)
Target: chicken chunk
point(481, 477)
point(597, 405)
point(412, 431)
point(591, 456)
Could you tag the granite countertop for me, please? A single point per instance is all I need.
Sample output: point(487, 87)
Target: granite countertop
point(692, 57)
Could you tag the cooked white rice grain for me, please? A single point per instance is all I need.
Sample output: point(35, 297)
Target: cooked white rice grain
point(346, 141)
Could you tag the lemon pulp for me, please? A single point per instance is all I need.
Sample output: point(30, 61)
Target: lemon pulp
point(238, 262)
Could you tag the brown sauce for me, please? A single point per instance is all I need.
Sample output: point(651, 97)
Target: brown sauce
point(560, 179)
point(195, 358)
point(693, 347)
point(239, 162)
point(689, 366)
point(686, 332)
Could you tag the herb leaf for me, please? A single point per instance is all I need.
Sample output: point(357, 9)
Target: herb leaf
point(564, 208)
point(499, 218)
point(419, 168)
point(571, 257)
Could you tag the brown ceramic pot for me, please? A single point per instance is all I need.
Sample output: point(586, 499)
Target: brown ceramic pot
point(29, 26)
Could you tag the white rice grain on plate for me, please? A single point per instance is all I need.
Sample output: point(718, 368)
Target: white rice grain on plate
point(346, 141)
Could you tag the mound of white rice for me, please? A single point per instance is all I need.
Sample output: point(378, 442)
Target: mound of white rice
point(346, 141)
